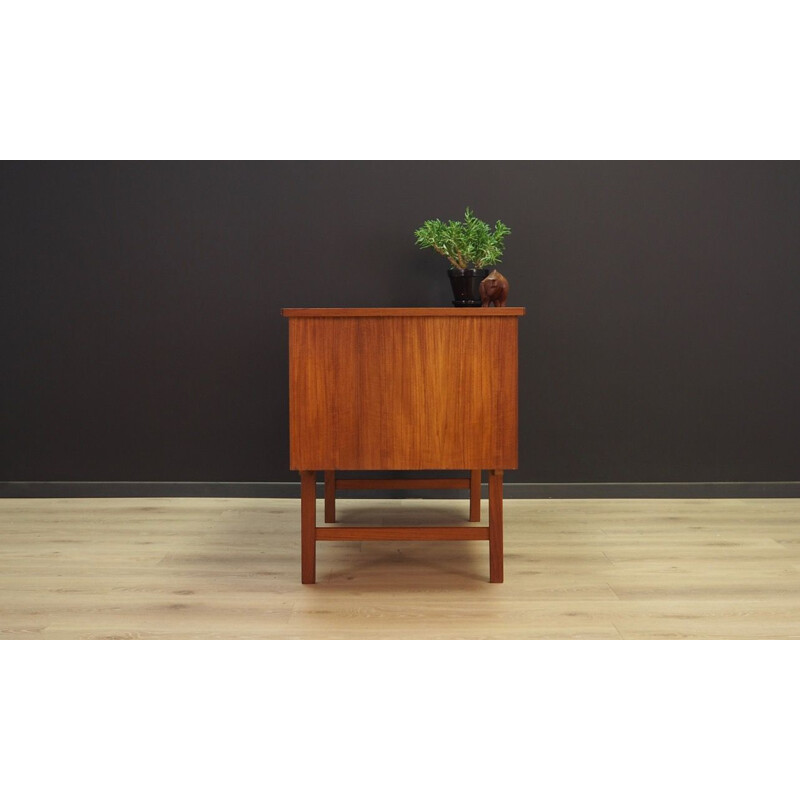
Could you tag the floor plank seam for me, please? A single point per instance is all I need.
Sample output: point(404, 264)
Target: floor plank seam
point(611, 589)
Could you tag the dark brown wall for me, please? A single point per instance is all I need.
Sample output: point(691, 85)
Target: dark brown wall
point(141, 336)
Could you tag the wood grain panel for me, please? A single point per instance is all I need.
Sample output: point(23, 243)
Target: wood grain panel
point(403, 392)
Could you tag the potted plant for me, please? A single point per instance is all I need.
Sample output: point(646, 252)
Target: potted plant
point(470, 246)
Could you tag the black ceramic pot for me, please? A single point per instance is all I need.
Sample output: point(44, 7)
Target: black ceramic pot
point(466, 285)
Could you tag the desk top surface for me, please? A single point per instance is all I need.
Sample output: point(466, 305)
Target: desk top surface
point(444, 311)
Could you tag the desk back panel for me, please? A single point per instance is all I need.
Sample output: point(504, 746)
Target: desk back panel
point(403, 392)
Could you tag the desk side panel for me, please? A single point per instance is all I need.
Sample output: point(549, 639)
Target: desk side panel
point(403, 393)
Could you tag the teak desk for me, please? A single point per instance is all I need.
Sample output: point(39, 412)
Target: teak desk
point(402, 389)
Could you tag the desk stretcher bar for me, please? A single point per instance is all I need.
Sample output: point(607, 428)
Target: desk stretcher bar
point(363, 533)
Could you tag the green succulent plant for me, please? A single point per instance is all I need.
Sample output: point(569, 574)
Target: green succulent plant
point(463, 243)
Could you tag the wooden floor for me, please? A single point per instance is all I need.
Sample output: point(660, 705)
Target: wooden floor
point(230, 568)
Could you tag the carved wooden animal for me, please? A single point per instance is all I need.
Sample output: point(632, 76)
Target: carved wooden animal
point(494, 289)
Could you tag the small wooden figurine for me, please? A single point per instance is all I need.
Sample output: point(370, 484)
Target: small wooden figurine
point(494, 289)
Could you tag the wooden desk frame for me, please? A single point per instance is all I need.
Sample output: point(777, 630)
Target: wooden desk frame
point(387, 389)
point(311, 533)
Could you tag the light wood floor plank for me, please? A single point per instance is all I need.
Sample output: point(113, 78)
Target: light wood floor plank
point(208, 568)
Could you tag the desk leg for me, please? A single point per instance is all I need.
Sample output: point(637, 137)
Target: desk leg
point(496, 526)
point(475, 495)
point(308, 526)
point(330, 495)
